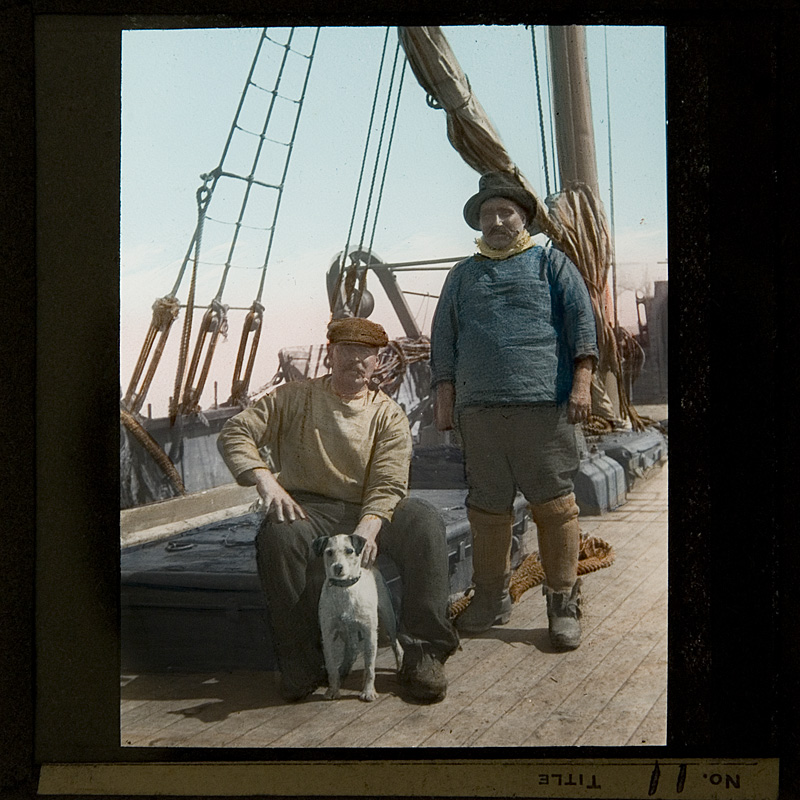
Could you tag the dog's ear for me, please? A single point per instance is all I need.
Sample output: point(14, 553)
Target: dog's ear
point(358, 543)
point(319, 544)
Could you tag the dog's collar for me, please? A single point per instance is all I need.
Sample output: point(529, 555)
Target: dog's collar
point(343, 581)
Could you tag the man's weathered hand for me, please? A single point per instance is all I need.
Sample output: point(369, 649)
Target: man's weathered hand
point(277, 501)
point(443, 406)
point(580, 398)
point(368, 528)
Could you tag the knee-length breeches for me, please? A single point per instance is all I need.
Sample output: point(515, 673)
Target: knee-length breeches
point(531, 448)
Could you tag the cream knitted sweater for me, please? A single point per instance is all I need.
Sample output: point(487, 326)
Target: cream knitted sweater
point(314, 441)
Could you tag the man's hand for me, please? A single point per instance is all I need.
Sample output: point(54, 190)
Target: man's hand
point(368, 528)
point(277, 501)
point(580, 398)
point(443, 406)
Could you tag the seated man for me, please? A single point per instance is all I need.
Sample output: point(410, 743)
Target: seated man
point(341, 450)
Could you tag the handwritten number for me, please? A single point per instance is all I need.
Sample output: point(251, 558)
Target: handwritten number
point(681, 779)
point(654, 780)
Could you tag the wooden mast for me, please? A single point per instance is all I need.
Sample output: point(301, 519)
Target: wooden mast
point(572, 106)
point(574, 128)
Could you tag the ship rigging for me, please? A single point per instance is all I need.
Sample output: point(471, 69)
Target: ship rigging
point(269, 114)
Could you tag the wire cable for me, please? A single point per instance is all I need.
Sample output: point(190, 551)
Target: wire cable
point(541, 110)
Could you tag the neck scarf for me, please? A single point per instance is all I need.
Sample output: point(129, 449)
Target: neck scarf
point(520, 244)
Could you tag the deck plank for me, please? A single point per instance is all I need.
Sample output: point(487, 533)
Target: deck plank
point(635, 698)
point(496, 671)
point(586, 702)
point(653, 728)
point(151, 696)
point(506, 687)
point(338, 717)
point(270, 729)
point(530, 675)
point(564, 673)
point(251, 701)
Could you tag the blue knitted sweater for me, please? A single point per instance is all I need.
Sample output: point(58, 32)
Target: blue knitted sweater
point(509, 331)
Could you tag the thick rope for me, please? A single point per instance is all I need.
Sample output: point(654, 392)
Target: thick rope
point(583, 237)
point(611, 189)
point(380, 149)
point(153, 448)
point(595, 554)
point(203, 196)
point(395, 358)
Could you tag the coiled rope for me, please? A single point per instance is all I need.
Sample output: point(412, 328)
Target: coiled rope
point(595, 554)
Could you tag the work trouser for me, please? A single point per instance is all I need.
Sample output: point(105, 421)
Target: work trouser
point(292, 576)
point(530, 447)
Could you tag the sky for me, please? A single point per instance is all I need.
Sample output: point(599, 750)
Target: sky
point(180, 92)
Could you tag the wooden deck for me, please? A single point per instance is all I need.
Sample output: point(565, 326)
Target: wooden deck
point(506, 687)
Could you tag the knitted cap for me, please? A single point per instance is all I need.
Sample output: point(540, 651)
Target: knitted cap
point(358, 331)
point(498, 184)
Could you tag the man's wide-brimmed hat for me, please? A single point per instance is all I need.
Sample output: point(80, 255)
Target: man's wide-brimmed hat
point(498, 184)
point(357, 330)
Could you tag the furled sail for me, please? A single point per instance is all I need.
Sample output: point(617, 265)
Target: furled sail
point(468, 127)
point(586, 241)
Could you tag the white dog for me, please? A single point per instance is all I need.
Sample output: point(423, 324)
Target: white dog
point(352, 603)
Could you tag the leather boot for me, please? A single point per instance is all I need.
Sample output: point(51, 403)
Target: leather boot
point(423, 674)
point(563, 615)
point(559, 535)
point(491, 572)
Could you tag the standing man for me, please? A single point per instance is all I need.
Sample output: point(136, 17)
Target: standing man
point(340, 449)
point(513, 350)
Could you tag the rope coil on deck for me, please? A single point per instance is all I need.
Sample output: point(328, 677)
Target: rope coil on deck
point(595, 554)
